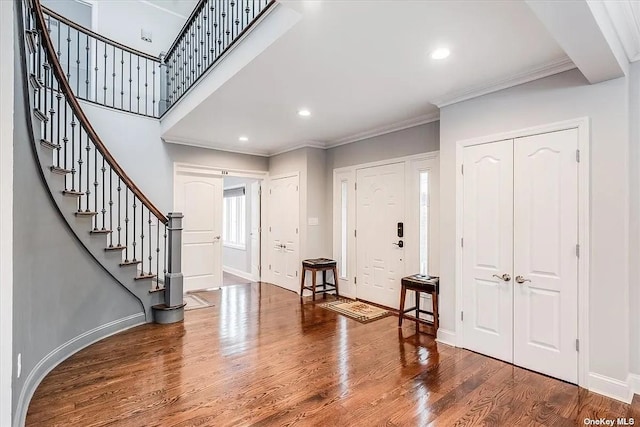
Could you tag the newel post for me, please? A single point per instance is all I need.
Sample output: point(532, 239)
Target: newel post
point(173, 286)
point(164, 85)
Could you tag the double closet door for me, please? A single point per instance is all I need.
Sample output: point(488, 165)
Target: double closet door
point(520, 254)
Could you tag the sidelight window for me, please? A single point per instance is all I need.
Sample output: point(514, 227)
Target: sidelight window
point(234, 232)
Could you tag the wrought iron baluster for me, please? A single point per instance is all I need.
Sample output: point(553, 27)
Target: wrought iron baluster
point(126, 224)
point(113, 74)
point(104, 186)
point(119, 190)
point(130, 81)
point(133, 221)
point(73, 152)
point(164, 258)
point(142, 240)
point(87, 171)
point(122, 79)
point(95, 67)
point(80, 162)
point(87, 79)
point(65, 141)
point(104, 87)
point(110, 207)
point(157, 254)
point(138, 86)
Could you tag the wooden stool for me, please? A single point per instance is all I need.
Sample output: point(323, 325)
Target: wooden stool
point(419, 284)
point(315, 265)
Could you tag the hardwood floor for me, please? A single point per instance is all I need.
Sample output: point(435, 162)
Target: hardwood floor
point(260, 358)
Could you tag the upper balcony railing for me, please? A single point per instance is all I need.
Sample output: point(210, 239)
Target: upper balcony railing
point(108, 73)
point(211, 30)
point(103, 71)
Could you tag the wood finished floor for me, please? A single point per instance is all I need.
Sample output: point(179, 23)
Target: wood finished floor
point(260, 358)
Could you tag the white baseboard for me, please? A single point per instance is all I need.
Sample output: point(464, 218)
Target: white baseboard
point(610, 387)
point(634, 383)
point(446, 337)
point(63, 352)
point(238, 273)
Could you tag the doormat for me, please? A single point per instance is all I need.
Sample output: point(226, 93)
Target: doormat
point(194, 302)
point(357, 310)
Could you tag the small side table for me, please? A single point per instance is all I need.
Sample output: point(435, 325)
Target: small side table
point(315, 265)
point(420, 284)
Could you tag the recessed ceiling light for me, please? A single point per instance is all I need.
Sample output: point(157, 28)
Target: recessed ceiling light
point(243, 139)
point(304, 113)
point(440, 53)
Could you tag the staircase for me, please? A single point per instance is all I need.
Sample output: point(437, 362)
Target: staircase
point(119, 226)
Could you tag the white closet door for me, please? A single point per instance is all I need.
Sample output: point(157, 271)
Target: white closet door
point(546, 234)
point(284, 207)
point(199, 197)
point(488, 249)
point(379, 209)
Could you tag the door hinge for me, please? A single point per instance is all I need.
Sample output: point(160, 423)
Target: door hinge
point(270, 192)
point(269, 266)
point(355, 233)
point(269, 229)
point(355, 186)
point(462, 242)
point(462, 169)
point(296, 188)
point(296, 231)
point(578, 156)
point(355, 280)
point(578, 250)
point(462, 315)
point(296, 273)
point(577, 345)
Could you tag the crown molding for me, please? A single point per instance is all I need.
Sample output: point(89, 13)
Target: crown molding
point(382, 130)
point(545, 70)
point(308, 144)
point(208, 145)
point(625, 17)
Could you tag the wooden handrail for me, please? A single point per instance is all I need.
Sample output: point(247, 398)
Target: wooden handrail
point(95, 35)
point(84, 121)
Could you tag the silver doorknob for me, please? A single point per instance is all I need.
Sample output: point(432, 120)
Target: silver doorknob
point(521, 279)
point(504, 277)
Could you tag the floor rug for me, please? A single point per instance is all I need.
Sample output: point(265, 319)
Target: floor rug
point(357, 310)
point(194, 302)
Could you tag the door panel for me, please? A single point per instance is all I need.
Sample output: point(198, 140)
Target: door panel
point(284, 206)
point(199, 198)
point(379, 208)
point(546, 234)
point(488, 249)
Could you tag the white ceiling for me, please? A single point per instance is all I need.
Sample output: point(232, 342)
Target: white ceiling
point(364, 66)
point(178, 7)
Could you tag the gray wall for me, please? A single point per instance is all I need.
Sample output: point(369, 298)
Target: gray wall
point(407, 142)
point(561, 97)
point(135, 143)
point(60, 292)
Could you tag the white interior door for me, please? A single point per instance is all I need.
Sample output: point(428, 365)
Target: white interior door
point(488, 249)
point(284, 251)
point(199, 198)
point(379, 208)
point(254, 233)
point(545, 238)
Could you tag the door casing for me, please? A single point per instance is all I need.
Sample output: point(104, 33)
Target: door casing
point(583, 126)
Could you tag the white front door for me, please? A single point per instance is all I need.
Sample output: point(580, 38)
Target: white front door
point(254, 232)
point(199, 198)
point(545, 237)
point(284, 252)
point(379, 209)
point(488, 249)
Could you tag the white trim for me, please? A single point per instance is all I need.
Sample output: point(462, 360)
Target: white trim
point(583, 126)
point(383, 130)
point(204, 144)
point(308, 144)
point(6, 207)
point(447, 337)
point(634, 383)
point(66, 350)
point(239, 273)
point(610, 387)
point(544, 70)
point(422, 156)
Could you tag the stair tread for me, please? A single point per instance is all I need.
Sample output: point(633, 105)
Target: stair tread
point(115, 248)
point(83, 213)
point(35, 83)
point(48, 144)
point(58, 170)
point(40, 115)
point(72, 193)
point(164, 307)
point(125, 263)
point(145, 276)
point(100, 231)
point(153, 291)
